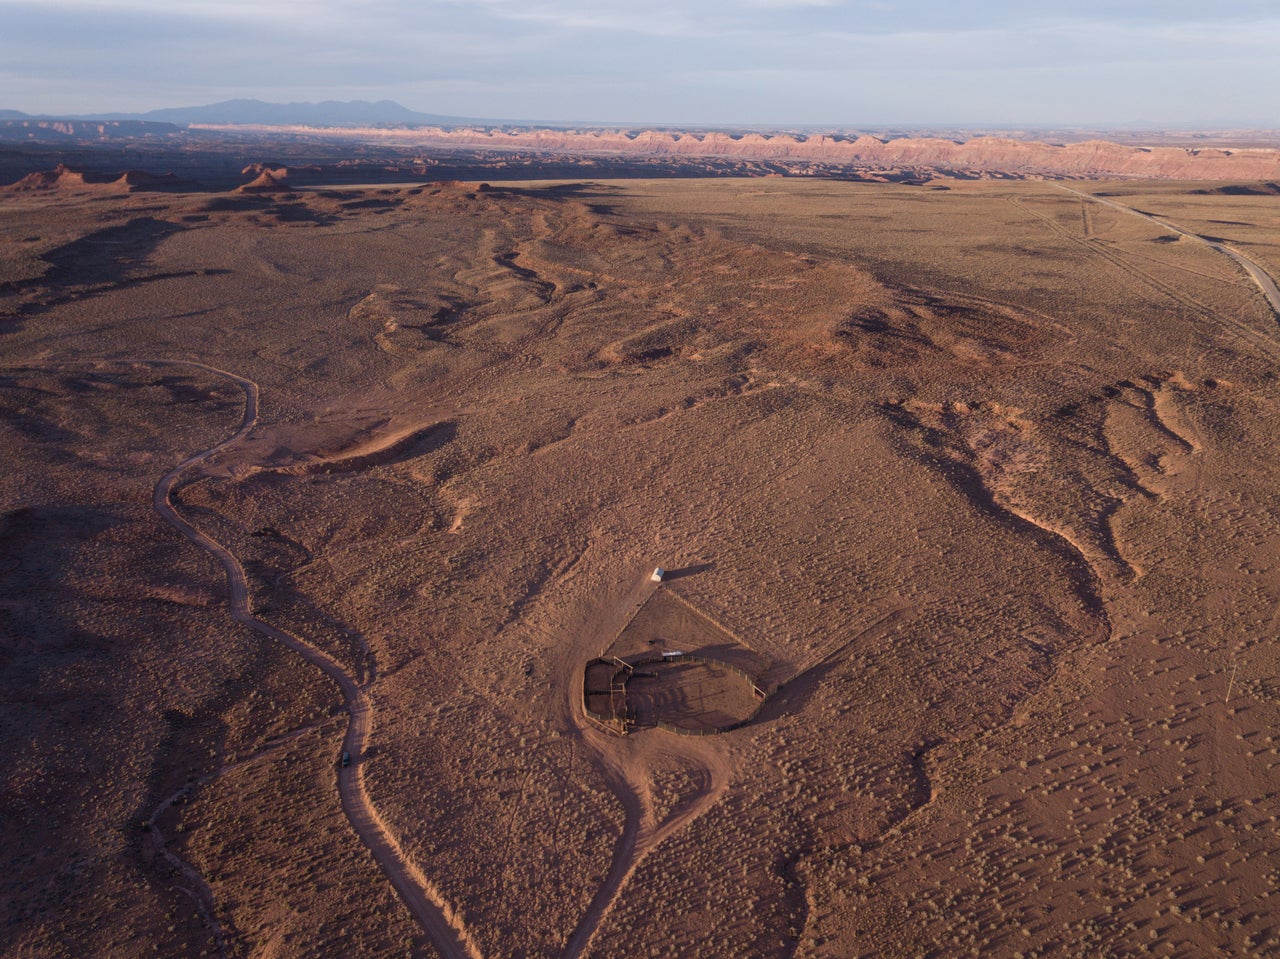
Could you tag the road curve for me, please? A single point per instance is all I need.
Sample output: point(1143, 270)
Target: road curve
point(626, 857)
point(1256, 273)
point(1260, 276)
point(640, 837)
point(426, 904)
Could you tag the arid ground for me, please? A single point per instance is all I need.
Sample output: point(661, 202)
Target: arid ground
point(975, 482)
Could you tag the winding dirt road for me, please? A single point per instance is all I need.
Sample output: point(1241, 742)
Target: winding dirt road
point(1260, 276)
point(1256, 273)
point(641, 834)
point(424, 901)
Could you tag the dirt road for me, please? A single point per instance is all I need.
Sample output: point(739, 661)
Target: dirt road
point(641, 834)
point(426, 904)
point(1260, 276)
point(1256, 273)
point(625, 773)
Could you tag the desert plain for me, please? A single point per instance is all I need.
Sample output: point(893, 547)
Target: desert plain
point(965, 493)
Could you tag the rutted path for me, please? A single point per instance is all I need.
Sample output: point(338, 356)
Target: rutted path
point(1260, 277)
point(640, 834)
point(198, 890)
point(424, 901)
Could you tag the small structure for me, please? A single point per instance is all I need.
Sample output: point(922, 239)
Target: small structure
point(673, 654)
point(658, 573)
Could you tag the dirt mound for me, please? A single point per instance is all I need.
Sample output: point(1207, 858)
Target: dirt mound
point(257, 169)
point(140, 181)
point(449, 190)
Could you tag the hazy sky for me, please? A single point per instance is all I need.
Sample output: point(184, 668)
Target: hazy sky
point(838, 62)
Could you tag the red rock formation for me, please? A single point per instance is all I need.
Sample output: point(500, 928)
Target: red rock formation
point(61, 178)
point(66, 180)
point(266, 182)
point(1095, 158)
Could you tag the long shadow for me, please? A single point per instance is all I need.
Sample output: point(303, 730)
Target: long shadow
point(418, 443)
point(104, 256)
point(107, 256)
point(590, 192)
point(108, 259)
point(793, 695)
point(585, 188)
point(44, 642)
point(684, 571)
point(285, 207)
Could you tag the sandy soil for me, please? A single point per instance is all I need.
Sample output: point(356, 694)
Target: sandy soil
point(978, 478)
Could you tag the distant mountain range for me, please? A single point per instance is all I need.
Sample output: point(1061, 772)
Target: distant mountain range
point(330, 113)
point(397, 126)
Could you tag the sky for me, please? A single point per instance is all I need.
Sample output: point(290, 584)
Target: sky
point(839, 63)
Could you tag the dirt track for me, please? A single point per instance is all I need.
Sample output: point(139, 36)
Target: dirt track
point(1256, 273)
point(625, 775)
point(641, 834)
point(428, 907)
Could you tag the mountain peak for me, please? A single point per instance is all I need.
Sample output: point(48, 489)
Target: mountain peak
point(336, 113)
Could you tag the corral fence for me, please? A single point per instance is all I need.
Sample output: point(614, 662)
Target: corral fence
point(621, 718)
point(591, 686)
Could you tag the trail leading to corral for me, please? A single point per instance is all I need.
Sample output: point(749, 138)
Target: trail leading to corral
point(426, 904)
point(640, 833)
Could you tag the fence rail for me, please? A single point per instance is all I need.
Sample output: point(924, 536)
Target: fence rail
point(622, 721)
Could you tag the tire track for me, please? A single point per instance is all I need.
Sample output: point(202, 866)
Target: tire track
point(198, 890)
point(640, 835)
point(1260, 277)
point(436, 917)
point(1096, 247)
point(625, 774)
point(1086, 220)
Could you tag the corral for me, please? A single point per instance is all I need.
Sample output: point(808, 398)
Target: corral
point(646, 678)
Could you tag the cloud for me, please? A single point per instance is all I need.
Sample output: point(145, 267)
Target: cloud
point(733, 61)
point(791, 4)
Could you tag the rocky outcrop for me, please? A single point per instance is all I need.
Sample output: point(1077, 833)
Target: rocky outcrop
point(1092, 158)
point(59, 178)
point(63, 179)
point(52, 130)
point(988, 154)
point(268, 181)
